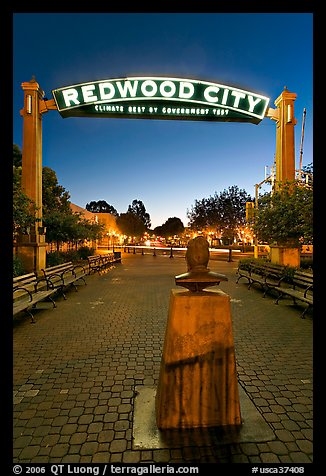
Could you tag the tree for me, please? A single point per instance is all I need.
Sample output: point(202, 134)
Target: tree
point(231, 210)
point(138, 208)
point(198, 215)
point(286, 216)
point(62, 225)
point(225, 212)
point(62, 228)
point(130, 224)
point(24, 208)
point(17, 156)
point(54, 196)
point(101, 206)
point(172, 226)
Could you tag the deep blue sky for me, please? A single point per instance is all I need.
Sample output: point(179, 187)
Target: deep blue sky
point(166, 164)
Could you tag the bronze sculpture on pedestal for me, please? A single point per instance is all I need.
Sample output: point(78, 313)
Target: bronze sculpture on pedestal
point(198, 276)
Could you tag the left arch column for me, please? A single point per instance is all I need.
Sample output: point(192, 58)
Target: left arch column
point(32, 248)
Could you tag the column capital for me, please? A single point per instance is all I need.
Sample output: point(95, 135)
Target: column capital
point(32, 85)
point(285, 96)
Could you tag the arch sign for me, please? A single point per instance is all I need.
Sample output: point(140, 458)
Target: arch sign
point(142, 98)
point(160, 98)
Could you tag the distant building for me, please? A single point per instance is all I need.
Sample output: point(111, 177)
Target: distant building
point(86, 214)
point(111, 234)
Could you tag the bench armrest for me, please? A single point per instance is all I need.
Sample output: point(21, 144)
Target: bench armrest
point(49, 285)
point(309, 288)
point(280, 279)
point(80, 266)
point(67, 271)
point(19, 288)
point(54, 275)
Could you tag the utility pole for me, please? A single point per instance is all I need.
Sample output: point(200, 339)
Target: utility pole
point(301, 142)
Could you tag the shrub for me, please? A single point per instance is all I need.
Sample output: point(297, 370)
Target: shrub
point(306, 263)
point(85, 251)
point(18, 268)
point(54, 258)
point(59, 257)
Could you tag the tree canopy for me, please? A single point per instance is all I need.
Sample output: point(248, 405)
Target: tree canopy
point(286, 216)
point(130, 224)
point(23, 207)
point(101, 206)
point(138, 208)
point(172, 226)
point(61, 223)
point(224, 212)
point(54, 196)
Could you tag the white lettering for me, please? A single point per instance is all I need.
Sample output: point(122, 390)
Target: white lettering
point(136, 109)
point(183, 93)
point(149, 84)
point(171, 89)
point(237, 96)
point(225, 96)
point(208, 93)
point(70, 96)
point(87, 93)
point(108, 108)
point(127, 87)
point(220, 112)
point(106, 95)
point(252, 103)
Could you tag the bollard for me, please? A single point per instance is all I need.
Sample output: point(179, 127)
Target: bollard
point(154, 252)
point(142, 251)
point(171, 252)
point(230, 255)
point(134, 250)
point(128, 250)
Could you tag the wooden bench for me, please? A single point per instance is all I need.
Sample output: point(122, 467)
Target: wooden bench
point(300, 288)
point(269, 276)
point(98, 263)
point(28, 291)
point(107, 260)
point(64, 275)
point(94, 264)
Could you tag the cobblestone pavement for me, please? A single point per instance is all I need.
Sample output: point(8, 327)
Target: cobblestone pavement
point(76, 369)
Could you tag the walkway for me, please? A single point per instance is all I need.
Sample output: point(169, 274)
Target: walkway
point(76, 369)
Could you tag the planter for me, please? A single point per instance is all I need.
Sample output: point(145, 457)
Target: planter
point(285, 255)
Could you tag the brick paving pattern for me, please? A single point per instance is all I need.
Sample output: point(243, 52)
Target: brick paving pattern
point(76, 369)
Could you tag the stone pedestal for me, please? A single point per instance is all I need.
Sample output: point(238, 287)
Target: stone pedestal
point(31, 250)
point(198, 381)
point(285, 256)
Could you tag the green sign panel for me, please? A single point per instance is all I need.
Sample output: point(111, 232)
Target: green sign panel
point(160, 98)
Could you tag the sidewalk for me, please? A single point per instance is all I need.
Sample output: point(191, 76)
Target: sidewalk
point(76, 370)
